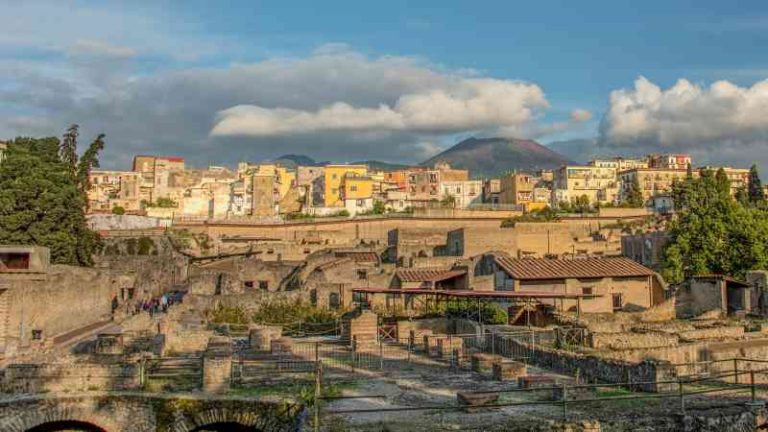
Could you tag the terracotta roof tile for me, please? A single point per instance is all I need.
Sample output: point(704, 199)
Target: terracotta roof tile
point(428, 274)
point(542, 268)
point(364, 257)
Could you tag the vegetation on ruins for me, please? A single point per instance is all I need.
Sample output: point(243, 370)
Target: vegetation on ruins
point(546, 214)
point(712, 233)
point(118, 210)
point(489, 312)
point(162, 202)
point(43, 196)
point(285, 311)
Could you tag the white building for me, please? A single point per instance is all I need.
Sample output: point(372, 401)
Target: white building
point(464, 193)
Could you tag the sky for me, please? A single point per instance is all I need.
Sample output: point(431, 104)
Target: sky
point(399, 81)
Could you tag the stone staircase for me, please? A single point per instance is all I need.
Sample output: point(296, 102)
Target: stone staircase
point(177, 373)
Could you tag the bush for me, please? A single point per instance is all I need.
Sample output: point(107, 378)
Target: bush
point(490, 313)
point(543, 215)
point(228, 315)
point(117, 210)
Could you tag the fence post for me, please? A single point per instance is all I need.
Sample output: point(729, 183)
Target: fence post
point(410, 342)
point(381, 353)
point(736, 370)
point(318, 394)
point(353, 353)
point(455, 359)
point(565, 401)
point(752, 384)
point(493, 343)
point(681, 395)
point(317, 352)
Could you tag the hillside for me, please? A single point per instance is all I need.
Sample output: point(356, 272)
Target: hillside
point(492, 157)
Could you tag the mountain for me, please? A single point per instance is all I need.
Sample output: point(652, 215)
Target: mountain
point(294, 160)
point(492, 157)
point(382, 166)
point(579, 150)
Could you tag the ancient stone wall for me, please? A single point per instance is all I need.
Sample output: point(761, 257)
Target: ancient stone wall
point(70, 377)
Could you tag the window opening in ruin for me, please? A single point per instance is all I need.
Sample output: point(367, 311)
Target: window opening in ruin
point(14, 260)
point(37, 334)
point(587, 290)
point(617, 302)
point(263, 284)
point(362, 274)
point(248, 284)
point(333, 301)
point(219, 283)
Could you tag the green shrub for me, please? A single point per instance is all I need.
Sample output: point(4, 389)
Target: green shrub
point(117, 210)
point(229, 315)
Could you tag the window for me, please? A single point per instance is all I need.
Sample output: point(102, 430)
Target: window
point(248, 284)
point(37, 335)
point(362, 274)
point(264, 285)
point(15, 260)
point(587, 290)
point(333, 301)
point(617, 302)
point(353, 188)
point(360, 203)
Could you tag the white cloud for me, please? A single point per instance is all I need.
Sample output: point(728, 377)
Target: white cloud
point(722, 118)
point(461, 104)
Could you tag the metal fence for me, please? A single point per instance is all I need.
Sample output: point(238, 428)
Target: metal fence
point(345, 356)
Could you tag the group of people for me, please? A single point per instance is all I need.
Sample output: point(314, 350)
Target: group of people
point(155, 305)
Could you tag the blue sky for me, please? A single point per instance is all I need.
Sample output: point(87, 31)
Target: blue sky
point(396, 80)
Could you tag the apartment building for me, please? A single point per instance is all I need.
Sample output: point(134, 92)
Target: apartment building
point(598, 184)
point(492, 191)
point(669, 161)
point(652, 181)
point(334, 176)
point(619, 163)
point(357, 193)
point(111, 189)
point(3, 148)
point(739, 177)
point(155, 171)
point(517, 189)
point(465, 193)
point(425, 185)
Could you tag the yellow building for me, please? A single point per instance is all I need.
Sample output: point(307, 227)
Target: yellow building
point(598, 184)
point(356, 187)
point(652, 181)
point(334, 178)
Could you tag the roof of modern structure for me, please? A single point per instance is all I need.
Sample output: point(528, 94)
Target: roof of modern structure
point(725, 278)
point(428, 274)
point(544, 268)
point(473, 294)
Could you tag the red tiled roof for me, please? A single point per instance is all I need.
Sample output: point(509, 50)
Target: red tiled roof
point(428, 275)
point(542, 268)
point(473, 294)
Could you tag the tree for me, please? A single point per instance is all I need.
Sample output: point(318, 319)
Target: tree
point(41, 204)
point(378, 207)
point(68, 148)
point(118, 210)
point(713, 233)
point(88, 161)
point(634, 197)
point(756, 193)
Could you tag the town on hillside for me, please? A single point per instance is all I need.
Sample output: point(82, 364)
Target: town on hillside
point(164, 187)
point(354, 297)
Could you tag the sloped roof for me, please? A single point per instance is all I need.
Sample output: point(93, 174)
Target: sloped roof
point(542, 268)
point(360, 256)
point(428, 274)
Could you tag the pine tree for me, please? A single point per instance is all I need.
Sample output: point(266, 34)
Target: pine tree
point(87, 162)
point(41, 203)
point(634, 197)
point(68, 148)
point(756, 193)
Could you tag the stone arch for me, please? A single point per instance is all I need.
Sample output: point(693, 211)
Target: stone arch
point(54, 418)
point(237, 419)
